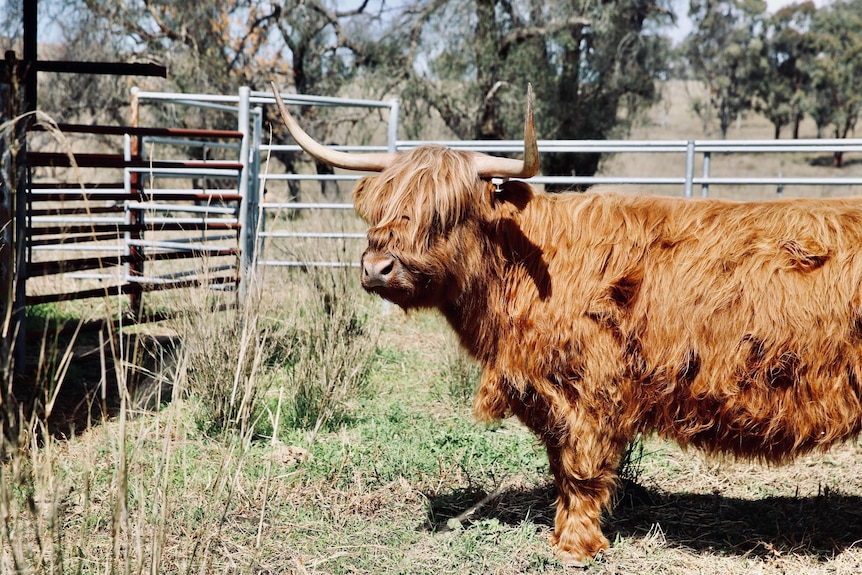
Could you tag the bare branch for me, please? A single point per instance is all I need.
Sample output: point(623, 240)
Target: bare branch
point(518, 35)
point(252, 29)
point(166, 30)
point(354, 12)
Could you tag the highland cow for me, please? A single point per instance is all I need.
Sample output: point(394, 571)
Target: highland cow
point(730, 326)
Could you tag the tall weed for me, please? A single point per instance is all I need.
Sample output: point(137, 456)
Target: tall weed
point(459, 377)
point(333, 347)
point(296, 355)
point(221, 359)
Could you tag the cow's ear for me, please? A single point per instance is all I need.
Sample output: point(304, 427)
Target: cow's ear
point(515, 194)
point(361, 200)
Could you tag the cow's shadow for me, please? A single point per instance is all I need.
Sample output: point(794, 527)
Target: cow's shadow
point(820, 526)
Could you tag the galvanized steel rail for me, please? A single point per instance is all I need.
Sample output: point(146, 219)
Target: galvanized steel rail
point(687, 180)
point(245, 220)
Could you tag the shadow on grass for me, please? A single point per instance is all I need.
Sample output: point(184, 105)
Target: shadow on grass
point(819, 526)
point(97, 372)
point(828, 161)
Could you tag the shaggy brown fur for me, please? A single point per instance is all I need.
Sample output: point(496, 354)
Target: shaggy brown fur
point(733, 327)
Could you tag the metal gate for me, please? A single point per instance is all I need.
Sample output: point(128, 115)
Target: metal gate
point(168, 210)
point(183, 207)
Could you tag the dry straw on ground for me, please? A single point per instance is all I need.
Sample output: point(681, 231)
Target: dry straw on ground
point(401, 481)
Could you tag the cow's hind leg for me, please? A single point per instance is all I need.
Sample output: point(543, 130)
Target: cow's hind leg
point(583, 492)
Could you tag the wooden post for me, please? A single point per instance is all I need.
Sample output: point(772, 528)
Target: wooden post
point(8, 93)
point(12, 239)
point(136, 253)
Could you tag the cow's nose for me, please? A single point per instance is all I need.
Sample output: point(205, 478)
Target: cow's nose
point(377, 271)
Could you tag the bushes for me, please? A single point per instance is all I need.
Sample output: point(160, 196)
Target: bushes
point(298, 358)
point(219, 363)
point(333, 345)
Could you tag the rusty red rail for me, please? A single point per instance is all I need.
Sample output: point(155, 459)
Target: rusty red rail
point(91, 160)
point(126, 289)
point(144, 131)
point(53, 224)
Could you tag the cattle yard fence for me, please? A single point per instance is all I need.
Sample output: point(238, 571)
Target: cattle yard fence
point(182, 207)
point(684, 157)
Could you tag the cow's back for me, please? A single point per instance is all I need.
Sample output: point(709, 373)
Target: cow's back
point(737, 326)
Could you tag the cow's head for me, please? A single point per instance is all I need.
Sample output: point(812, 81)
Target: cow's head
point(426, 209)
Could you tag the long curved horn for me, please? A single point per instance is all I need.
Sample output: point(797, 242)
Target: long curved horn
point(495, 167)
point(360, 162)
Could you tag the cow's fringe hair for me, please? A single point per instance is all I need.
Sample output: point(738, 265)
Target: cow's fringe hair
point(427, 191)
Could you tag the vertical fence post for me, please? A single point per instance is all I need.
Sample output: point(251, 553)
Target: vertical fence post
point(247, 231)
point(15, 98)
point(19, 183)
point(132, 181)
point(704, 187)
point(8, 96)
point(392, 135)
point(689, 168)
point(254, 213)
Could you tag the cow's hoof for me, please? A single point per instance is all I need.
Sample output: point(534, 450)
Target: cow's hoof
point(576, 560)
point(573, 557)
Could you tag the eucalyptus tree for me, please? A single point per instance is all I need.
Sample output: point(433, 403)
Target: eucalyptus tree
point(788, 49)
point(593, 66)
point(464, 65)
point(215, 46)
point(835, 97)
point(725, 50)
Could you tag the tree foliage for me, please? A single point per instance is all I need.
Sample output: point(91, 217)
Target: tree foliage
point(801, 60)
point(725, 51)
point(835, 97)
point(788, 48)
point(593, 66)
point(214, 46)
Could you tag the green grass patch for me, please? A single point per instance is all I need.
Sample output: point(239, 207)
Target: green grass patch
point(384, 471)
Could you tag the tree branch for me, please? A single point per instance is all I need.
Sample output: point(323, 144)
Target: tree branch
point(519, 35)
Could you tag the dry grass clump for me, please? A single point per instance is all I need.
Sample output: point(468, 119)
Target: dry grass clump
point(333, 345)
point(145, 491)
point(459, 376)
point(296, 354)
point(220, 358)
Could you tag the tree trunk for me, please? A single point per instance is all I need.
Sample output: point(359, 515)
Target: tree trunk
point(570, 165)
point(288, 159)
point(797, 120)
point(486, 43)
point(838, 160)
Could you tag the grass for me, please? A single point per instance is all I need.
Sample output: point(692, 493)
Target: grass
point(317, 430)
point(405, 482)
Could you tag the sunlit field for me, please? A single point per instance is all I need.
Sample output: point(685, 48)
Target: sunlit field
point(319, 430)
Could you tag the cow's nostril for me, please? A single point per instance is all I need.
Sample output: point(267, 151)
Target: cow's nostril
point(376, 272)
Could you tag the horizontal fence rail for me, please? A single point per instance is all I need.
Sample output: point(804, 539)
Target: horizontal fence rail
point(690, 154)
point(135, 228)
point(691, 149)
point(154, 209)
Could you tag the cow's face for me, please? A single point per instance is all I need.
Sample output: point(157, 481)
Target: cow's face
point(425, 212)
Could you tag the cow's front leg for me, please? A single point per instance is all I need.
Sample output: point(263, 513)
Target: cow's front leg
point(585, 484)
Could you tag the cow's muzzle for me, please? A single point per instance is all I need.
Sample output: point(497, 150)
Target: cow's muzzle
point(377, 270)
